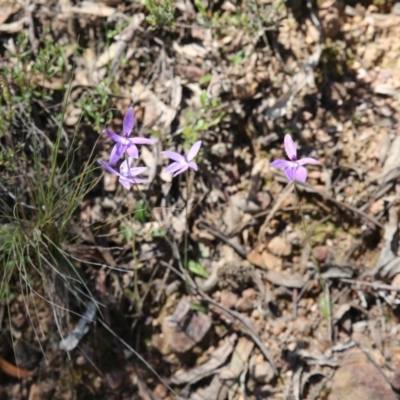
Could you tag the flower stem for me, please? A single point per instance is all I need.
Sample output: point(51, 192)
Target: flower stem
point(315, 262)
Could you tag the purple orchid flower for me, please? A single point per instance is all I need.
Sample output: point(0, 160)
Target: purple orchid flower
point(126, 173)
point(124, 143)
point(182, 162)
point(294, 168)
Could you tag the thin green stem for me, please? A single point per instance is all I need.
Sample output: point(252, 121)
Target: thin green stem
point(185, 248)
point(308, 238)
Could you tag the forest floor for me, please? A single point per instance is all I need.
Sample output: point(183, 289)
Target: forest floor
point(228, 282)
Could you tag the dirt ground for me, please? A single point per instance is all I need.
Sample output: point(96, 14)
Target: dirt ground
point(277, 301)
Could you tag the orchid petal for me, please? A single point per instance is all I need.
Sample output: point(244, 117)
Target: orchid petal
point(113, 136)
point(108, 168)
point(301, 174)
point(307, 160)
point(136, 171)
point(173, 156)
point(173, 167)
point(116, 153)
point(290, 148)
point(124, 167)
point(139, 181)
point(194, 150)
point(132, 151)
point(129, 123)
point(280, 164)
point(183, 169)
point(290, 173)
point(141, 140)
point(193, 165)
point(126, 183)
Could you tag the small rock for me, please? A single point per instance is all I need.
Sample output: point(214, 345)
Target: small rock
point(244, 304)
point(263, 372)
point(228, 299)
point(359, 379)
point(321, 253)
point(279, 246)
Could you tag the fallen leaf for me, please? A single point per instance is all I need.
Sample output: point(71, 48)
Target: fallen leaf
point(185, 327)
point(218, 357)
point(14, 371)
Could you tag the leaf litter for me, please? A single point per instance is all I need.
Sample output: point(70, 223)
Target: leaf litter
point(327, 74)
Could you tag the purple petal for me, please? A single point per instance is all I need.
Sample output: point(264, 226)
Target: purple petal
point(194, 150)
point(280, 164)
point(126, 183)
point(173, 167)
point(291, 173)
point(301, 174)
point(124, 167)
point(129, 122)
point(113, 136)
point(290, 148)
point(307, 160)
point(108, 168)
point(141, 140)
point(116, 153)
point(139, 181)
point(132, 151)
point(183, 169)
point(136, 171)
point(193, 165)
point(173, 155)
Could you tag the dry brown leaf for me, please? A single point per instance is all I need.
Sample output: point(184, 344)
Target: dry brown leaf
point(292, 281)
point(240, 357)
point(92, 8)
point(6, 10)
point(190, 51)
point(185, 327)
point(14, 27)
point(271, 261)
point(14, 371)
point(216, 390)
point(218, 357)
point(156, 113)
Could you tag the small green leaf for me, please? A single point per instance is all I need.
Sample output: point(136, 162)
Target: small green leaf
point(198, 269)
point(158, 233)
point(126, 233)
point(201, 6)
point(199, 307)
point(325, 306)
point(140, 212)
point(206, 78)
point(203, 98)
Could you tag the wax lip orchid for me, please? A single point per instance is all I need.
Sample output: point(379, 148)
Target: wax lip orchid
point(127, 174)
point(182, 162)
point(124, 143)
point(294, 168)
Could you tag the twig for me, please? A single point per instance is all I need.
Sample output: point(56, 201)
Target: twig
point(309, 188)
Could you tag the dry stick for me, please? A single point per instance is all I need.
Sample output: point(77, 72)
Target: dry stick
point(309, 188)
point(376, 286)
point(282, 197)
